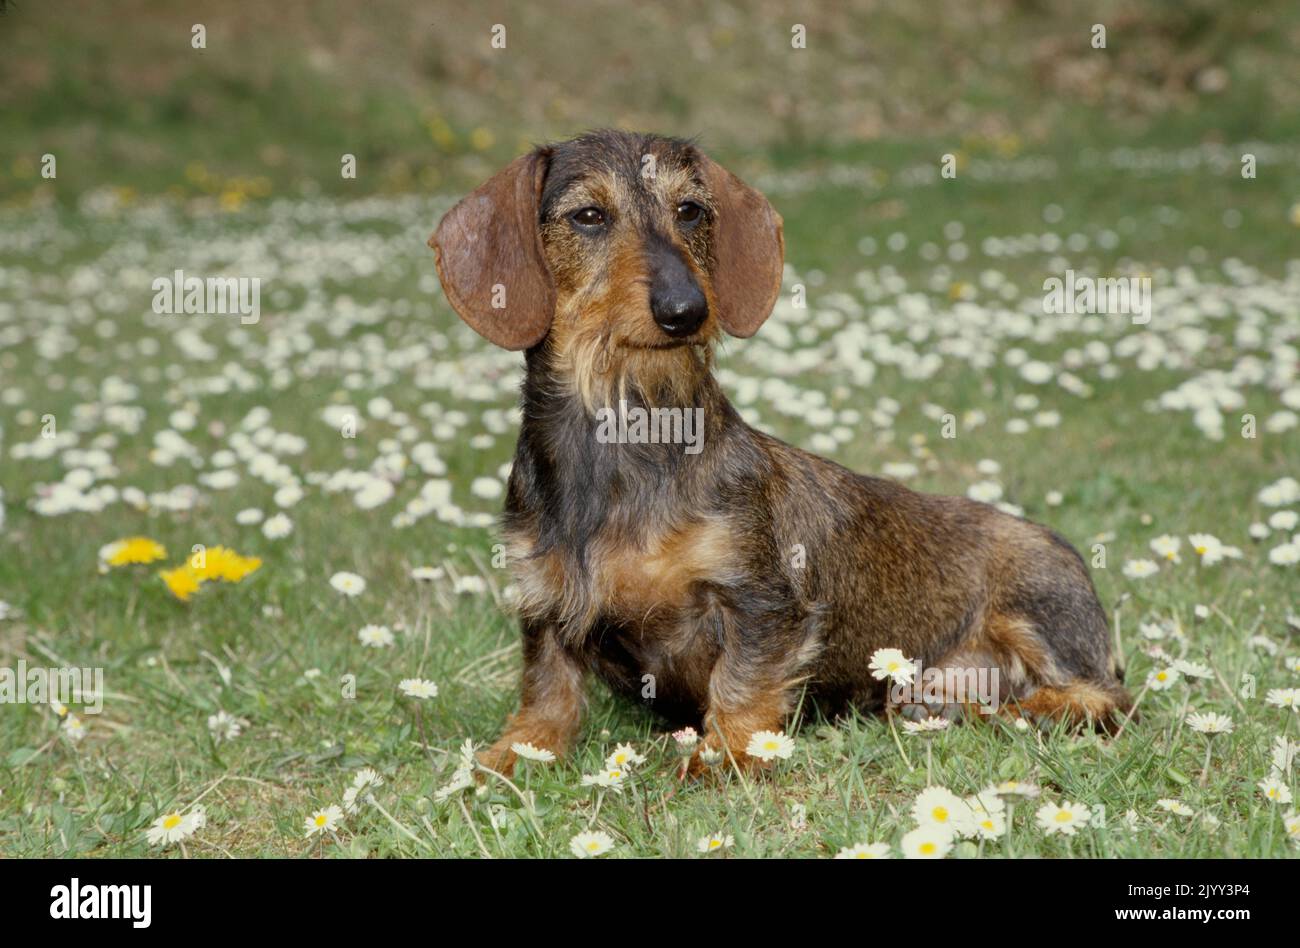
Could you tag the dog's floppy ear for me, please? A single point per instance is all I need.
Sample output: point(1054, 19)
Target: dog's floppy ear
point(489, 257)
point(748, 251)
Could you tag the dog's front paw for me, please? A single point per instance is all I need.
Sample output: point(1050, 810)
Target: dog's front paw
point(499, 758)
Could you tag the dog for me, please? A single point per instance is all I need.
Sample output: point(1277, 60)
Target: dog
point(727, 585)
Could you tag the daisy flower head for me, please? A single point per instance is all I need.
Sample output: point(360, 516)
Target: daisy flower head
point(770, 745)
point(173, 827)
point(426, 574)
point(1208, 722)
point(349, 584)
point(1166, 547)
point(323, 821)
point(686, 740)
point(710, 756)
point(74, 729)
point(930, 725)
point(1204, 544)
point(939, 806)
point(1211, 550)
point(1140, 569)
point(1284, 698)
point(1288, 554)
point(225, 726)
point(277, 527)
point(376, 636)
point(1284, 520)
point(864, 851)
point(418, 688)
point(1193, 669)
point(1274, 790)
point(927, 842)
point(1292, 824)
point(624, 756)
point(988, 825)
point(469, 585)
point(1176, 807)
point(461, 779)
point(1065, 818)
point(530, 752)
point(589, 844)
point(986, 801)
point(891, 663)
point(1017, 788)
point(367, 777)
point(1162, 679)
point(611, 778)
point(714, 842)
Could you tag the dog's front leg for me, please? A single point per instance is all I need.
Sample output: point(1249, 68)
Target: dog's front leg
point(751, 687)
point(551, 700)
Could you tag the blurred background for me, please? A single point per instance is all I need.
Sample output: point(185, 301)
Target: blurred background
point(416, 91)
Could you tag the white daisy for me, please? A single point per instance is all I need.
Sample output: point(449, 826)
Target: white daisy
point(865, 851)
point(323, 821)
point(1065, 819)
point(349, 584)
point(529, 752)
point(418, 688)
point(376, 636)
point(927, 842)
point(588, 845)
point(713, 842)
point(770, 745)
point(891, 663)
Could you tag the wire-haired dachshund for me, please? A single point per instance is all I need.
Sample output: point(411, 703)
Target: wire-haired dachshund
point(724, 583)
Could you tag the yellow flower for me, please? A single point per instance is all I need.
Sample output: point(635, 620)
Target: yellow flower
point(132, 550)
point(225, 564)
point(182, 581)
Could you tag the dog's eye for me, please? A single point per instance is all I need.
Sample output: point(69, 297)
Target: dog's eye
point(688, 212)
point(588, 217)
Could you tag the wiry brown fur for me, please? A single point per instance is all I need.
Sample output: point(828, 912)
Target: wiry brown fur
point(637, 560)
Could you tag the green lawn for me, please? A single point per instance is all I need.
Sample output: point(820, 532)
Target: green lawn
point(352, 323)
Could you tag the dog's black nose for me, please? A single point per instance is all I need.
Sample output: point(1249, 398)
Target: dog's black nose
point(679, 308)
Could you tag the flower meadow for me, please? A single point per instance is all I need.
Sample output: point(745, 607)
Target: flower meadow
point(277, 539)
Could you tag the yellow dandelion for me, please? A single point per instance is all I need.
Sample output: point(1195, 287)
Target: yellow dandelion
point(132, 550)
point(226, 565)
point(182, 581)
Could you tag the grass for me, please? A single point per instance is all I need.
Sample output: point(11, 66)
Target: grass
point(350, 315)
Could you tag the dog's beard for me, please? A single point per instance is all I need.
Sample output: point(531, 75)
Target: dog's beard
point(603, 370)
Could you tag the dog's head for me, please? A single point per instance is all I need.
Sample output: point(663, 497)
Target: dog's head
point(617, 245)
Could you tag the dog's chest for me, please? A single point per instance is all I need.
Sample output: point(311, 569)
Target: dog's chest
point(647, 582)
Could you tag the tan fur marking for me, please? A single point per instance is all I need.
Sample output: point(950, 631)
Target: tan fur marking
point(1077, 703)
point(631, 580)
point(729, 728)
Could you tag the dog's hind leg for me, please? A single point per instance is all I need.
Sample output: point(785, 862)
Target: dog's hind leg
point(1080, 703)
